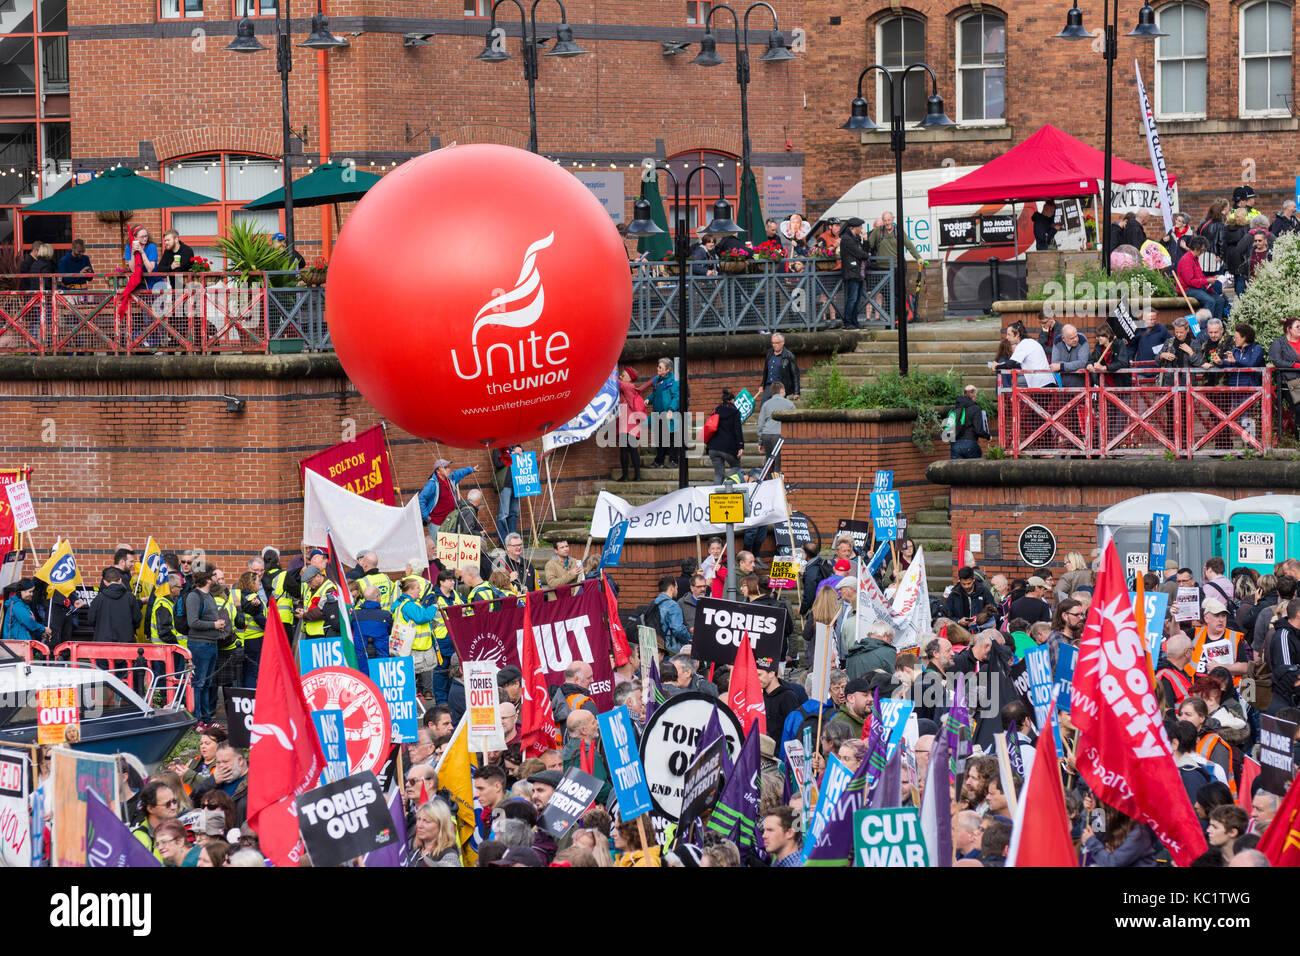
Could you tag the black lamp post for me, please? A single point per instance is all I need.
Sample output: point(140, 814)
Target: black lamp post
point(320, 39)
point(777, 52)
point(934, 117)
point(1074, 30)
point(643, 225)
point(495, 52)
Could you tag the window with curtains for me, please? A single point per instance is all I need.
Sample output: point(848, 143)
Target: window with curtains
point(231, 179)
point(900, 41)
point(981, 69)
point(1180, 62)
point(1266, 59)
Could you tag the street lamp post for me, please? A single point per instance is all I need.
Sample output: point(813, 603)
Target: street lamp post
point(320, 39)
point(1074, 30)
point(777, 52)
point(643, 225)
point(860, 120)
point(495, 52)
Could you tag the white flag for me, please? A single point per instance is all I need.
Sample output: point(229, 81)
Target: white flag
point(911, 610)
point(357, 524)
point(1157, 153)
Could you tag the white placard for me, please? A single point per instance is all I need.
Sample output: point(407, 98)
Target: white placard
point(1187, 605)
point(20, 501)
point(483, 706)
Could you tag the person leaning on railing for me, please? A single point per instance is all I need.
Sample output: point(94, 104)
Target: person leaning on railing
point(1246, 354)
point(1026, 355)
point(1284, 355)
point(75, 268)
point(1108, 357)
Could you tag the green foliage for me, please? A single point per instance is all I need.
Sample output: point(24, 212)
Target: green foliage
point(921, 392)
point(1139, 283)
point(994, 451)
point(247, 249)
point(1274, 294)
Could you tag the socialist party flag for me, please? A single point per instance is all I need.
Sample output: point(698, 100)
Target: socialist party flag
point(617, 634)
point(284, 759)
point(1041, 834)
point(745, 698)
point(537, 729)
point(735, 814)
point(1281, 841)
point(936, 806)
point(1124, 754)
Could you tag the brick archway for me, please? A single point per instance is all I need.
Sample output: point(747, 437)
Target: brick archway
point(486, 133)
point(693, 136)
point(218, 139)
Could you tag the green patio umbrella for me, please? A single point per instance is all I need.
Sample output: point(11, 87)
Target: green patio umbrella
point(328, 183)
point(660, 244)
point(118, 189)
point(754, 230)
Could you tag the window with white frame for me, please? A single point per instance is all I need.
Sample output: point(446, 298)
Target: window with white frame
point(900, 41)
point(231, 180)
point(1180, 62)
point(981, 69)
point(1266, 59)
point(175, 9)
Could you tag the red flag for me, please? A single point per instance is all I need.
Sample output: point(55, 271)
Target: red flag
point(1249, 771)
point(746, 695)
point(285, 758)
point(1124, 753)
point(1042, 830)
point(1281, 841)
point(424, 793)
point(537, 730)
point(335, 572)
point(616, 632)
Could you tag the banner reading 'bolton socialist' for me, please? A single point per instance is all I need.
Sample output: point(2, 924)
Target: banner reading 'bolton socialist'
point(361, 466)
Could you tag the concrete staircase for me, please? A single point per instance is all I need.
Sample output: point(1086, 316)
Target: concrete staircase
point(932, 347)
point(931, 530)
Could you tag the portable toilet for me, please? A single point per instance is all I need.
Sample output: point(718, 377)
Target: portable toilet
point(1261, 531)
point(1196, 528)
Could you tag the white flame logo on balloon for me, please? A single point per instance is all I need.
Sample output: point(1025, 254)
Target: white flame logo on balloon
point(495, 311)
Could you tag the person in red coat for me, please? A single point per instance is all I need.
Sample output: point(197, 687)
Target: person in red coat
point(631, 416)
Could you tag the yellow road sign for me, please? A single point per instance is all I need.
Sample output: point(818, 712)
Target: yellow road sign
point(726, 508)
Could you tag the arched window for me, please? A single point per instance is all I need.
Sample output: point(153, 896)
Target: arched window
point(900, 41)
point(704, 188)
point(1266, 59)
point(1180, 62)
point(981, 69)
point(232, 179)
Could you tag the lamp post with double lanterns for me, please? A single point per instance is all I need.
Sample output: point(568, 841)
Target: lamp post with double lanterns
point(1146, 29)
point(495, 52)
point(777, 52)
point(644, 225)
point(860, 120)
point(320, 39)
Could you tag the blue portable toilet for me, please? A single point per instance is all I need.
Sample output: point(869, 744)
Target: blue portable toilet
point(1196, 523)
point(1261, 531)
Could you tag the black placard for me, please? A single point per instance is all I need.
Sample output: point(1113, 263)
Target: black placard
point(574, 794)
point(239, 715)
point(799, 526)
point(345, 819)
point(958, 231)
point(997, 230)
point(702, 783)
point(721, 625)
point(1037, 546)
point(1121, 322)
point(1276, 766)
point(860, 530)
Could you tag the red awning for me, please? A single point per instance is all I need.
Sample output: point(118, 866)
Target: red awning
point(1049, 164)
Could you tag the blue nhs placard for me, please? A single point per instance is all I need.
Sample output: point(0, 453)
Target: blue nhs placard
point(523, 471)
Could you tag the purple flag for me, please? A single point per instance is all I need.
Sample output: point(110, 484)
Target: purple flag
point(834, 846)
point(877, 743)
point(957, 725)
point(657, 694)
point(936, 806)
point(888, 789)
point(108, 841)
point(711, 732)
point(395, 853)
point(735, 814)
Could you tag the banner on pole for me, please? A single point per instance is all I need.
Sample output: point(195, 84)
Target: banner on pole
point(1157, 153)
point(361, 466)
point(684, 513)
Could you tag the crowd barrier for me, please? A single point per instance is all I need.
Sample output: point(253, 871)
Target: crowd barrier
point(134, 664)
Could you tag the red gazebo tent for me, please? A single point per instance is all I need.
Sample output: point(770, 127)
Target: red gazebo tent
point(1050, 164)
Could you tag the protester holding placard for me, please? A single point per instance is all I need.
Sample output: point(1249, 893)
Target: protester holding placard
point(20, 622)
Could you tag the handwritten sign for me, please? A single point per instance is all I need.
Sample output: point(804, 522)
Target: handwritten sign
point(453, 550)
point(20, 502)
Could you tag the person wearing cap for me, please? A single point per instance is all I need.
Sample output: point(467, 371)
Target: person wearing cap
point(319, 592)
point(1215, 645)
point(510, 681)
point(544, 783)
point(20, 622)
point(853, 269)
point(856, 706)
point(282, 241)
point(1243, 197)
point(438, 496)
point(1032, 606)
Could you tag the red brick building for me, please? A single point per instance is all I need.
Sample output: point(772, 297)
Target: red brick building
point(149, 84)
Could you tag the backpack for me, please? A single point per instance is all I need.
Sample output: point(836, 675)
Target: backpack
point(1233, 606)
point(451, 523)
point(181, 621)
point(648, 616)
point(710, 428)
point(948, 433)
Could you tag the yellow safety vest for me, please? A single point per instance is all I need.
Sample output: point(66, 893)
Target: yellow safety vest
point(377, 579)
point(396, 594)
point(282, 601)
point(317, 628)
point(440, 627)
point(227, 604)
point(423, 632)
point(251, 630)
point(158, 604)
point(481, 592)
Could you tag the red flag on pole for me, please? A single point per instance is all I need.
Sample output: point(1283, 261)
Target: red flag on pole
point(335, 571)
point(616, 632)
point(1124, 753)
point(285, 758)
point(746, 695)
point(1281, 841)
point(537, 730)
point(1042, 830)
point(1249, 771)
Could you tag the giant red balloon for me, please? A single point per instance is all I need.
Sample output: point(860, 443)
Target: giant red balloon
point(479, 295)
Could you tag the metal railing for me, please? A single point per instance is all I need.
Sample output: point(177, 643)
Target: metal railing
point(1139, 412)
point(215, 312)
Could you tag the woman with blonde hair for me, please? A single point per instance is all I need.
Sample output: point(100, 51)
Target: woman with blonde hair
point(825, 609)
point(1077, 575)
point(434, 843)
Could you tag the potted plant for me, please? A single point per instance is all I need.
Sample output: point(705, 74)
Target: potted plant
point(248, 250)
point(670, 264)
point(200, 264)
point(734, 261)
point(766, 254)
point(825, 260)
point(314, 274)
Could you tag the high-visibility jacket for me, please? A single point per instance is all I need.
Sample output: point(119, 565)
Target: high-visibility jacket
point(251, 629)
point(440, 623)
point(422, 598)
point(1207, 745)
point(317, 598)
point(156, 629)
point(379, 580)
point(576, 700)
point(1200, 636)
point(1178, 681)
point(230, 637)
point(408, 610)
point(283, 602)
point(482, 592)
